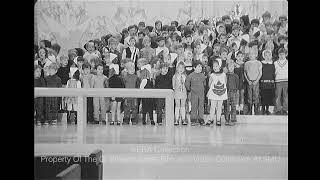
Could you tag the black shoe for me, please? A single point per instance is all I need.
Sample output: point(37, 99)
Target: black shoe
point(241, 112)
point(227, 123)
point(159, 120)
point(237, 111)
point(193, 124)
point(96, 122)
point(159, 123)
point(285, 113)
point(133, 121)
point(152, 122)
point(125, 121)
point(218, 123)
point(118, 123)
point(111, 122)
point(233, 120)
point(184, 122)
point(278, 113)
point(209, 123)
point(176, 123)
point(144, 122)
point(201, 122)
point(267, 113)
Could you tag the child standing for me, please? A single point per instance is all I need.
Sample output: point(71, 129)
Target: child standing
point(86, 82)
point(281, 79)
point(63, 71)
point(131, 52)
point(38, 101)
point(232, 89)
point(163, 81)
point(147, 52)
point(161, 46)
point(99, 81)
point(267, 82)
point(252, 73)
point(115, 82)
point(217, 92)
point(52, 81)
point(195, 82)
point(180, 93)
point(130, 80)
point(239, 70)
point(146, 83)
point(73, 82)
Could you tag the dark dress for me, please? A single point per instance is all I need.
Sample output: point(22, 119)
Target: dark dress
point(267, 84)
point(116, 82)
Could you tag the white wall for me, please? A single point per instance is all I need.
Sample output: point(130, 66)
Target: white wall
point(72, 23)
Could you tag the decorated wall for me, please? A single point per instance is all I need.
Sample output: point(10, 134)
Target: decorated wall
point(74, 22)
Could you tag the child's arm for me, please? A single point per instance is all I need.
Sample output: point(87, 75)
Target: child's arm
point(173, 82)
point(143, 83)
point(260, 74)
point(124, 54)
point(245, 74)
point(78, 84)
point(106, 83)
point(188, 82)
point(210, 80)
point(92, 81)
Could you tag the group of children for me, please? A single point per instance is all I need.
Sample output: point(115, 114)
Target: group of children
point(230, 67)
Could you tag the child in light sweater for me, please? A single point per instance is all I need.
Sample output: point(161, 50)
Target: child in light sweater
point(281, 80)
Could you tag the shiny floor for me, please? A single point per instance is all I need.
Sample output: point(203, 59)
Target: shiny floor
point(256, 148)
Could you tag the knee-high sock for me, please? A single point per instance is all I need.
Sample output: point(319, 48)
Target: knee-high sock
point(177, 113)
point(183, 113)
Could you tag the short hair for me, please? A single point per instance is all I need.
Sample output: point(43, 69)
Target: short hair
point(150, 28)
point(157, 22)
point(178, 38)
point(283, 17)
point(53, 66)
point(143, 60)
point(80, 58)
point(255, 21)
point(175, 22)
point(112, 40)
point(222, 34)
point(47, 43)
point(189, 21)
point(165, 28)
point(130, 27)
point(56, 47)
point(239, 53)
point(142, 24)
point(99, 64)
point(216, 62)
point(124, 31)
point(141, 33)
point(225, 17)
point(196, 63)
point(266, 14)
point(233, 44)
point(282, 50)
point(86, 65)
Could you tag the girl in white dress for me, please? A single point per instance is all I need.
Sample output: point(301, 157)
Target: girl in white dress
point(217, 92)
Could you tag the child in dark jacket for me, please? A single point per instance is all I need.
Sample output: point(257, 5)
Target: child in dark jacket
point(163, 81)
point(52, 81)
point(38, 101)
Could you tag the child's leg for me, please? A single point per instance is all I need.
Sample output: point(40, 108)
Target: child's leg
point(90, 109)
point(213, 109)
point(285, 96)
point(233, 103)
point(241, 99)
point(177, 109)
point(96, 108)
point(183, 109)
point(134, 108)
point(226, 108)
point(126, 116)
point(118, 104)
point(103, 108)
point(250, 99)
point(237, 100)
point(255, 96)
point(219, 108)
point(194, 108)
point(201, 108)
point(113, 110)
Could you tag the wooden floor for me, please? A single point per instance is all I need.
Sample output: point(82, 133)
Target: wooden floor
point(257, 147)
